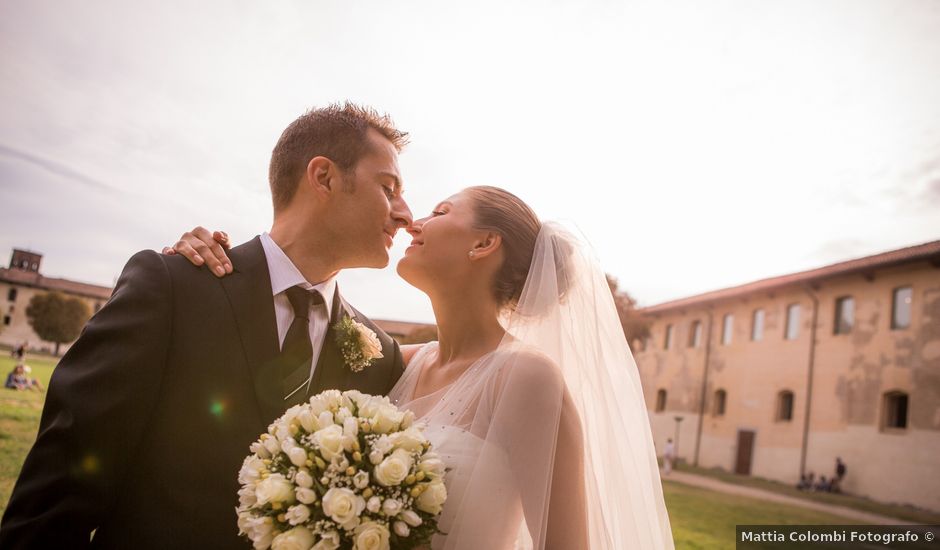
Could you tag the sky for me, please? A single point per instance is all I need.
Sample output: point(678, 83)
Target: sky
point(696, 145)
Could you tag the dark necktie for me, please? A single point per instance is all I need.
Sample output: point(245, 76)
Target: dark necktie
point(297, 352)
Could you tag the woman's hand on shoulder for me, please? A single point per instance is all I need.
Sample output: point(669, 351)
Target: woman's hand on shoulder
point(200, 246)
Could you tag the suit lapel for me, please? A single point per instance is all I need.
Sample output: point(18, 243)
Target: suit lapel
point(249, 293)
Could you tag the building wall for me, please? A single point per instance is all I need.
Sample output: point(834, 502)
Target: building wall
point(19, 329)
point(851, 374)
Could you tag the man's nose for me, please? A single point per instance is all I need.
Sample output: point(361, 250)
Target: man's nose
point(401, 213)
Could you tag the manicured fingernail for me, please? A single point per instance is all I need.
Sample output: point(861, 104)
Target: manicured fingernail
point(228, 268)
point(219, 271)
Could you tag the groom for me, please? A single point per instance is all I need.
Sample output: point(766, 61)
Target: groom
point(151, 412)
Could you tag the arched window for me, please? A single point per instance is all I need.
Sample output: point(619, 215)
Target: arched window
point(660, 400)
point(895, 410)
point(718, 406)
point(785, 406)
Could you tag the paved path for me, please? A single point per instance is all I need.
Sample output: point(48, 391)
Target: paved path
point(715, 485)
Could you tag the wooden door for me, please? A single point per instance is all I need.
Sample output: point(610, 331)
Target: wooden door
point(745, 452)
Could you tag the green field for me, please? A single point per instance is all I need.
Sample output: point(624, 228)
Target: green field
point(19, 420)
point(701, 519)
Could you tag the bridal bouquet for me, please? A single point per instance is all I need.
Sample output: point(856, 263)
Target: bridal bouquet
point(345, 470)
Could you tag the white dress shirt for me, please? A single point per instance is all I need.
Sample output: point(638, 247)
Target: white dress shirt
point(284, 275)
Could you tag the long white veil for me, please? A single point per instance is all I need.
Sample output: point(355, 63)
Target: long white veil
point(560, 420)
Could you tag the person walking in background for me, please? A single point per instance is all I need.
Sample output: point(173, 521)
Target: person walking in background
point(669, 455)
point(840, 473)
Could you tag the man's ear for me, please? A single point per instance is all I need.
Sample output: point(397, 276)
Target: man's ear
point(321, 175)
point(486, 245)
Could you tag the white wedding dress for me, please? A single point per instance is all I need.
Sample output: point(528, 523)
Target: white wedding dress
point(547, 439)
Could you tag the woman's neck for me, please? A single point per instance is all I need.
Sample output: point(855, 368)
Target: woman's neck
point(467, 325)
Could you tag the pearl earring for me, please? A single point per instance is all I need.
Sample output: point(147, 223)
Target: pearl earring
point(471, 254)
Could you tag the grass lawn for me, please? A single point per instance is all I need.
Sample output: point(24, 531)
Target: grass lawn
point(705, 520)
point(19, 420)
point(863, 504)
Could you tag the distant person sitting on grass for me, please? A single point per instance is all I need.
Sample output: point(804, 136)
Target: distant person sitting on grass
point(806, 482)
point(18, 380)
point(823, 485)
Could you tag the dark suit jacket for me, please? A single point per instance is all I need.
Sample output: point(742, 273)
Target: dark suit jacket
point(150, 414)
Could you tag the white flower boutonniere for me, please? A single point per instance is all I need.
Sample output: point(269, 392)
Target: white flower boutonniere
point(358, 344)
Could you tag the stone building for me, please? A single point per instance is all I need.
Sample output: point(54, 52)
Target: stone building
point(780, 376)
point(20, 282)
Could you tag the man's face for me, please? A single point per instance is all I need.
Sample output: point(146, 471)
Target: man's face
point(370, 207)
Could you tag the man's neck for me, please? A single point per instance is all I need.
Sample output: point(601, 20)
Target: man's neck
point(312, 258)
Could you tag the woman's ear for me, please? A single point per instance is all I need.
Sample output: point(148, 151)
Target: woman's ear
point(487, 245)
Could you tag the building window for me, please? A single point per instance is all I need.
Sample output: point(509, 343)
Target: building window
point(785, 406)
point(757, 325)
point(845, 315)
point(6, 320)
point(901, 312)
point(895, 410)
point(11, 295)
point(793, 321)
point(667, 343)
point(718, 408)
point(660, 400)
point(726, 329)
point(695, 335)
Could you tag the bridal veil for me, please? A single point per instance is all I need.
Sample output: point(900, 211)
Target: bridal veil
point(562, 451)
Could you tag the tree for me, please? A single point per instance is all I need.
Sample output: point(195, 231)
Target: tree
point(420, 335)
point(56, 317)
point(636, 326)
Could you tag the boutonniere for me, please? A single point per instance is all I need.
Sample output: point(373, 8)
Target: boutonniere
point(358, 344)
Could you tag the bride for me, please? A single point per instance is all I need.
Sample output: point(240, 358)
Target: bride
point(530, 395)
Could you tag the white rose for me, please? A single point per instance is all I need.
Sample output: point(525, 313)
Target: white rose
point(297, 514)
point(407, 419)
point(361, 479)
point(317, 405)
point(332, 398)
point(303, 478)
point(410, 440)
point(271, 444)
point(368, 342)
point(401, 529)
point(259, 530)
point(387, 419)
point(341, 415)
point(368, 405)
point(328, 541)
point(374, 505)
point(329, 441)
point(259, 449)
point(391, 507)
point(290, 414)
point(432, 498)
point(383, 444)
point(305, 495)
point(350, 427)
point(432, 465)
point(298, 538)
point(308, 420)
point(274, 488)
point(343, 506)
point(371, 535)
point(298, 456)
point(246, 497)
point(394, 469)
point(411, 518)
point(251, 470)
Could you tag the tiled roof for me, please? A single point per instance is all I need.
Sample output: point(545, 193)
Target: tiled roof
point(927, 251)
point(35, 280)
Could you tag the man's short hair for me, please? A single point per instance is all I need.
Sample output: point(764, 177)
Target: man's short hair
point(338, 132)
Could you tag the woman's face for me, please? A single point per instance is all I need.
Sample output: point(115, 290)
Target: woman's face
point(440, 246)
